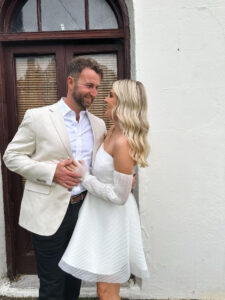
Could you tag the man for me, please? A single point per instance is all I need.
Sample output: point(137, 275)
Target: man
point(47, 141)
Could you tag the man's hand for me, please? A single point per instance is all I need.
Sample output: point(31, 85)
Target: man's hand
point(72, 166)
point(64, 176)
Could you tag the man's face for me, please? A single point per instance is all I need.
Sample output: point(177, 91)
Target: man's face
point(86, 88)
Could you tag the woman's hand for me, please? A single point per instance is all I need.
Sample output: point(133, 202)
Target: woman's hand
point(80, 168)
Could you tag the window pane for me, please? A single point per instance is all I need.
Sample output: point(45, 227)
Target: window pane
point(25, 19)
point(35, 82)
point(62, 15)
point(101, 16)
point(108, 63)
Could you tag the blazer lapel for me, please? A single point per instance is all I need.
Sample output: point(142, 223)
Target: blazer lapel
point(58, 122)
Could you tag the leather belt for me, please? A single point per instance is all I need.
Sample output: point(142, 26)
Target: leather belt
point(78, 198)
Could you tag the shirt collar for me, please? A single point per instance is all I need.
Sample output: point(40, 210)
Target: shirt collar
point(66, 109)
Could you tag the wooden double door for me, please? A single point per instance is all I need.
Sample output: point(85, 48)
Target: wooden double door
point(35, 76)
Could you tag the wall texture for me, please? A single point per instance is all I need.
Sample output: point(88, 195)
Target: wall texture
point(180, 57)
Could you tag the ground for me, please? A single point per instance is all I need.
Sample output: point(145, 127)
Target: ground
point(6, 298)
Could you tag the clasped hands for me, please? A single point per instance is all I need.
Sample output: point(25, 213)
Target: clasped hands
point(69, 173)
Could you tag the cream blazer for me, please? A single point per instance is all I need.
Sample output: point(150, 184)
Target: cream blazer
point(39, 144)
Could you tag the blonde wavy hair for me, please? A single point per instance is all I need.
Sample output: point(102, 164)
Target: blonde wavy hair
point(131, 113)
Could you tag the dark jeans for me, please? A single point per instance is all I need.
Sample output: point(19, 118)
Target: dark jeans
point(54, 283)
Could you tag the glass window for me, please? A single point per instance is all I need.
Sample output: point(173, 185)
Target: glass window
point(60, 15)
point(35, 82)
point(101, 16)
point(25, 19)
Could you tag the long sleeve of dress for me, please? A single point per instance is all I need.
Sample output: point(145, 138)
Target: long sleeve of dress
point(117, 192)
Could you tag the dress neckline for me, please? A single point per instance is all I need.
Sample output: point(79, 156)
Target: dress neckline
point(106, 151)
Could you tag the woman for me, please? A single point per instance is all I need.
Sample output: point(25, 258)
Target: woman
point(106, 246)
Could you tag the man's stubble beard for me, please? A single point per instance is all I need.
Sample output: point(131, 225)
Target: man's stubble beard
point(79, 99)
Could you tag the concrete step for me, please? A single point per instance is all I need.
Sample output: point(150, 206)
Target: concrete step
point(26, 287)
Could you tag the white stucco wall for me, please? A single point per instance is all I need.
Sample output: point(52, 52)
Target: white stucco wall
point(2, 233)
point(180, 57)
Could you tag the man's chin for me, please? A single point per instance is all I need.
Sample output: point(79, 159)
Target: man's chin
point(87, 104)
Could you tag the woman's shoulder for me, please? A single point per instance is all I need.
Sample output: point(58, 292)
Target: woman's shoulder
point(123, 162)
point(122, 143)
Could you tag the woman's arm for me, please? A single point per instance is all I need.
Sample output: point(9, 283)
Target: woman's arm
point(119, 190)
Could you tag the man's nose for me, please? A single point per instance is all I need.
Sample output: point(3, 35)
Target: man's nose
point(94, 92)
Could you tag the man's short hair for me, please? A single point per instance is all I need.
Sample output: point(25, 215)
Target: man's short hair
point(78, 64)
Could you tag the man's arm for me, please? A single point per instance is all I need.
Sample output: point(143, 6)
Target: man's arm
point(18, 159)
point(17, 156)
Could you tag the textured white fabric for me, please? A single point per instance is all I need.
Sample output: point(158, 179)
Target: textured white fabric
point(116, 192)
point(81, 137)
point(106, 244)
point(81, 169)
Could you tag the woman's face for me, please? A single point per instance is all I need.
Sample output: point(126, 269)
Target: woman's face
point(111, 101)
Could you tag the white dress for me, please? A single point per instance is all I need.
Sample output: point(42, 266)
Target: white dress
point(106, 245)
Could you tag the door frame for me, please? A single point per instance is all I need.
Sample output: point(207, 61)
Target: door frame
point(12, 185)
point(120, 36)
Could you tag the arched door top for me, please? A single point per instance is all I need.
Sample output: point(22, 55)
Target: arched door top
point(66, 15)
point(41, 15)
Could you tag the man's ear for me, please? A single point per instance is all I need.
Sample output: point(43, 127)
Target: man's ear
point(70, 82)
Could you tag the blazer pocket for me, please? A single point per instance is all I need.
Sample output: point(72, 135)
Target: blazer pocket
point(37, 188)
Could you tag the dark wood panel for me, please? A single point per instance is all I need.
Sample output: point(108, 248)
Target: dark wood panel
point(64, 35)
point(39, 14)
point(20, 253)
point(86, 15)
point(8, 209)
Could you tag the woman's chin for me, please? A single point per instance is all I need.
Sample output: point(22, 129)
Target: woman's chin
point(107, 114)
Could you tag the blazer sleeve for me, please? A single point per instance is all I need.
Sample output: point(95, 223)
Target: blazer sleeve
point(18, 155)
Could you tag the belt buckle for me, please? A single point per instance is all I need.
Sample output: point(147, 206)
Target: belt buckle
point(80, 196)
